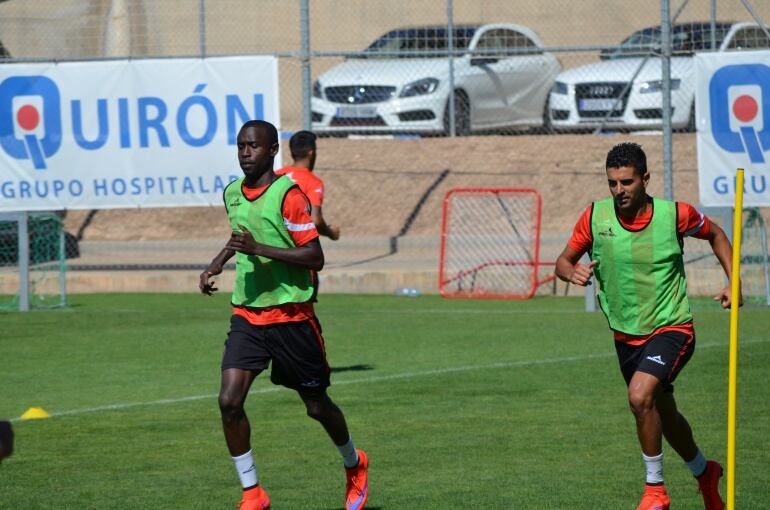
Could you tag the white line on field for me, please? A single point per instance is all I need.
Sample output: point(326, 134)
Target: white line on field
point(402, 375)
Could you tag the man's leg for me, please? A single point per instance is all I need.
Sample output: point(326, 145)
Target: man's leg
point(678, 433)
point(232, 395)
point(675, 427)
point(321, 408)
point(643, 390)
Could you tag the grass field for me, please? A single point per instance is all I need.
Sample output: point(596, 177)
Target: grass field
point(460, 404)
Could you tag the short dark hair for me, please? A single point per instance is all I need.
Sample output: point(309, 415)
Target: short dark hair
point(270, 129)
point(627, 154)
point(301, 143)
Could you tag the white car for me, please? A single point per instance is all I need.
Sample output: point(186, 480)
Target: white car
point(623, 91)
point(401, 82)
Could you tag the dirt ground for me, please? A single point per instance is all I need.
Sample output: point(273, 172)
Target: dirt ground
point(373, 185)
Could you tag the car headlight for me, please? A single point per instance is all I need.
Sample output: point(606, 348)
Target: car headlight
point(649, 87)
point(317, 92)
point(419, 87)
point(560, 88)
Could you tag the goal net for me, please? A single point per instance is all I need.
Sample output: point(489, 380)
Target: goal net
point(32, 272)
point(490, 241)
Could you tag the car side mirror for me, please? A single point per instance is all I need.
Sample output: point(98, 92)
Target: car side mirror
point(483, 61)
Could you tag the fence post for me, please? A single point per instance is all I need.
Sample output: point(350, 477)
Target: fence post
point(665, 29)
point(23, 257)
point(202, 26)
point(304, 21)
point(62, 263)
point(713, 25)
point(450, 46)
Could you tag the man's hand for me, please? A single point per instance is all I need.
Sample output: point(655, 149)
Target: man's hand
point(582, 274)
point(243, 242)
point(205, 285)
point(334, 232)
point(725, 297)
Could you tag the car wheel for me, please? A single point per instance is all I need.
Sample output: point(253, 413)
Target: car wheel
point(546, 128)
point(462, 115)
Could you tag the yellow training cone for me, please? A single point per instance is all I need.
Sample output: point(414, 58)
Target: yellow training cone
point(35, 413)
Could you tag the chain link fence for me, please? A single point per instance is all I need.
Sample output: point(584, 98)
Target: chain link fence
point(398, 68)
point(47, 248)
point(357, 67)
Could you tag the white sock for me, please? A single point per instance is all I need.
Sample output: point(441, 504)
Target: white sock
point(654, 468)
point(698, 464)
point(247, 471)
point(348, 452)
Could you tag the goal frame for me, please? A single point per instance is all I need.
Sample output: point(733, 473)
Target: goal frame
point(443, 279)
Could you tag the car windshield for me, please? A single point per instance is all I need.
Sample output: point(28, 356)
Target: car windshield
point(423, 42)
point(685, 38)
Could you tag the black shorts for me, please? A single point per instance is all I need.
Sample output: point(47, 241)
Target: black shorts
point(664, 355)
point(296, 350)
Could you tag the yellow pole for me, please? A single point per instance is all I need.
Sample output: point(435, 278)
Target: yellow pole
point(733, 371)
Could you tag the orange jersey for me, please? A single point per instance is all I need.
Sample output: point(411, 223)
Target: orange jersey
point(690, 222)
point(296, 217)
point(307, 181)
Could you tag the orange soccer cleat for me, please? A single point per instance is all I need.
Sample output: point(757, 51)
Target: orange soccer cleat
point(654, 498)
point(358, 486)
point(708, 484)
point(254, 499)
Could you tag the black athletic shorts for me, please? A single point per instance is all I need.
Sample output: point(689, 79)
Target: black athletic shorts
point(296, 350)
point(664, 355)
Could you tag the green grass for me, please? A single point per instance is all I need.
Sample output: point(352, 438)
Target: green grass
point(460, 404)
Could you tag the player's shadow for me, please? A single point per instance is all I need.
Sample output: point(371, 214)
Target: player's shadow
point(367, 508)
point(353, 368)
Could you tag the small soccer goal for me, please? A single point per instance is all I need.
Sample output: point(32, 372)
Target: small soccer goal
point(490, 243)
point(32, 261)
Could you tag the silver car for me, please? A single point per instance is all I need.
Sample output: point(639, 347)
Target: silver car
point(623, 91)
point(401, 82)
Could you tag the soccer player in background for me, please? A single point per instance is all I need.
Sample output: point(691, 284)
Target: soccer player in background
point(635, 243)
point(303, 151)
point(277, 254)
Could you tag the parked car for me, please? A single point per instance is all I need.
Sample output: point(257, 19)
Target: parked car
point(623, 91)
point(401, 82)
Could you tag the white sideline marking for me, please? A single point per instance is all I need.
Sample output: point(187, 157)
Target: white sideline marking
point(402, 375)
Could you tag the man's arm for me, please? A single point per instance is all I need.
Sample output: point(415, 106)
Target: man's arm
point(214, 268)
point(325, 229)
point(309, 255)
point(568, 268)
point(723, 251)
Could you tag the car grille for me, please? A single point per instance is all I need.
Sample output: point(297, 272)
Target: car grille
point(357, 122)
point(587, 94)
point(359, 94)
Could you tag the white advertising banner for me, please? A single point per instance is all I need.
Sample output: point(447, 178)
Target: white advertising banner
point(732, 98)
point(128, 133)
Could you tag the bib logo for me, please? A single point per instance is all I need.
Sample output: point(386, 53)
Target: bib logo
point(739, 100)
point(30, 118)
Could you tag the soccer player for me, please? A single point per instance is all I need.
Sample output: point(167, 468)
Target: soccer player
point(303, 152)
point(635, 244)
point(277, 254)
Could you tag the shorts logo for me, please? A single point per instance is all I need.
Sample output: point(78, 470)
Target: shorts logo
point(235, 203)
point(30, 118)
point(311, 384)
point(657, 359)
point(739, 99)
